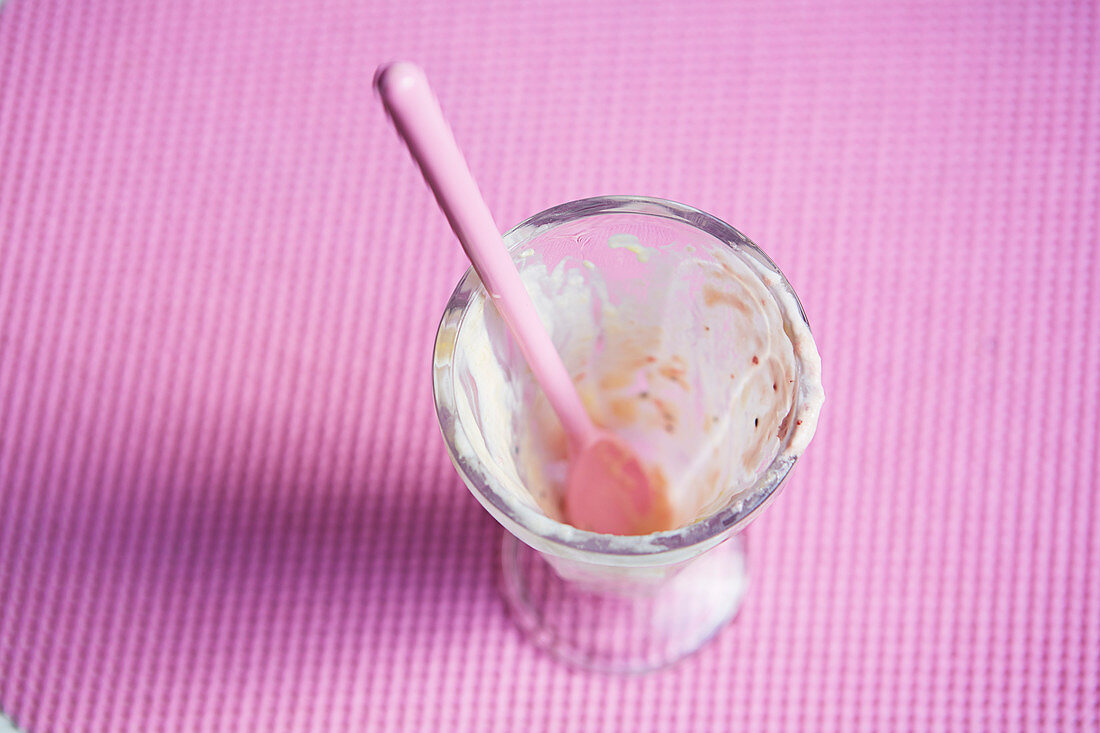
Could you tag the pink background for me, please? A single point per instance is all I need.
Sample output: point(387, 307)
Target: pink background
point(224, 501)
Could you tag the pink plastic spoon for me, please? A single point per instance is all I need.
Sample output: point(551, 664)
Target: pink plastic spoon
point(607, 490)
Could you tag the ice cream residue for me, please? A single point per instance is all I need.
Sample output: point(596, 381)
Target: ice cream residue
point(692, 351)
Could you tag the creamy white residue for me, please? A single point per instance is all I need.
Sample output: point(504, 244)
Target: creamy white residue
point(694, 353)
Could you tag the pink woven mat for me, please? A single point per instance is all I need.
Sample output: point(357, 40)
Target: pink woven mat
point(224, 501)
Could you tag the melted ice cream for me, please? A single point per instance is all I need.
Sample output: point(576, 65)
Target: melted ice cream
point(693, 352)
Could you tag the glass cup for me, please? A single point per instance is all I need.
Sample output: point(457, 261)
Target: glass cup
point(606, 602)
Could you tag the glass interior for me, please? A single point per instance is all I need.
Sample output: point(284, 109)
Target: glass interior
point(558, 240)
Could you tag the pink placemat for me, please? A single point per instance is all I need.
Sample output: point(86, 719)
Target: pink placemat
point(224, 501)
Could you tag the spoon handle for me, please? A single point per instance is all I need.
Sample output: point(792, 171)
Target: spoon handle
point(420, 123)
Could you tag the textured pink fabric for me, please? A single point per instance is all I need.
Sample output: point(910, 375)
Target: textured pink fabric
point(224, 502)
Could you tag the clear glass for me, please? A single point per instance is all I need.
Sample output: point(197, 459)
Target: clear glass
point(608, 602)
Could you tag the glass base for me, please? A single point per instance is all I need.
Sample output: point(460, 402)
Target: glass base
point(624, 633)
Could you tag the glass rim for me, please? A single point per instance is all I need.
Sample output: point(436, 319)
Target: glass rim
point(701, 534)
